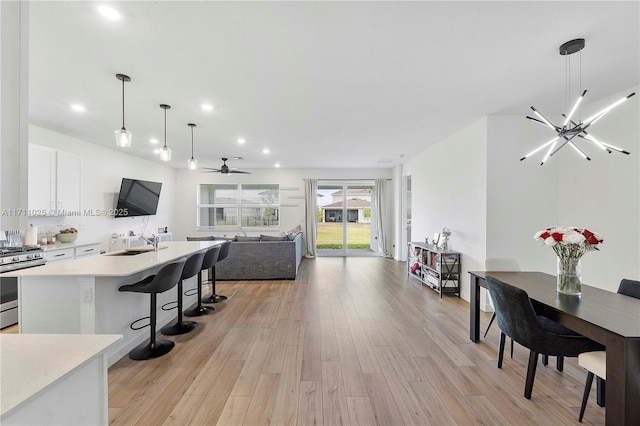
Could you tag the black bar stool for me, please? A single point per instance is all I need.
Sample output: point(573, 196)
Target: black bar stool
point(210, 259)
point(191, 268)
point(166, 278)
point(224, 252)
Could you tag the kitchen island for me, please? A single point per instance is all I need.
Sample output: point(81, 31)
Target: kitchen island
point(80, 296)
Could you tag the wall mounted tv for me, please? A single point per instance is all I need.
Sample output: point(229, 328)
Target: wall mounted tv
point(138, 198)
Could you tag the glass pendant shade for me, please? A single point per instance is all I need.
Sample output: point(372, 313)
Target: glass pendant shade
point(123, 138)
point(192, 164)
point(165, 153)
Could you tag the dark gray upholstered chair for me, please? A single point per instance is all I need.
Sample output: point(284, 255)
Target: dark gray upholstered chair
point(166, 278)
point(498, 264)
point(518, 320)
point(596, 362)
point(191, 268)
point(209, 261)
point(224, 252)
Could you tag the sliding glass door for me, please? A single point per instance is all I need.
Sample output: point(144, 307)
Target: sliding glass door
point(345, 219)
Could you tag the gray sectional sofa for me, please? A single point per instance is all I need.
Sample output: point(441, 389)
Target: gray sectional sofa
point(261, 260)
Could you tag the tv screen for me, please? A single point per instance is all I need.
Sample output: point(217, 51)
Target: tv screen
point(138, 198)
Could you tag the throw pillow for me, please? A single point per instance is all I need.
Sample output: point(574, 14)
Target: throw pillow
point(223, 239)
point(208, 238)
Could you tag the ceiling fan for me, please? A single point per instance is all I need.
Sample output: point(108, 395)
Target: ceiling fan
point(224, 169)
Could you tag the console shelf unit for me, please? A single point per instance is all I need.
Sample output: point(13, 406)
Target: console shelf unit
point(434, 267)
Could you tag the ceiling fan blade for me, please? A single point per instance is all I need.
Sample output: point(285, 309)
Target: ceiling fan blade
point(239, 171)
point(210, 170)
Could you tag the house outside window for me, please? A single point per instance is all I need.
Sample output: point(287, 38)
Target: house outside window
point(235, 206)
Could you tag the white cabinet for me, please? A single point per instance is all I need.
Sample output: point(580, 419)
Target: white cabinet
point(70, 251)
point(54, 181)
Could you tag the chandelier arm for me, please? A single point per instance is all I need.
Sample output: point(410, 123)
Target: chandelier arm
point(579, 151)
point(615, 148)
point(546, 157)
point(602, 112)
point(540, 147)
point(546, 120)
point(537, 121)
point(573, 110)
point(590, 138)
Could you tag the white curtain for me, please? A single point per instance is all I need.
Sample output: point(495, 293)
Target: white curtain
point(379, 206)
point(310, 216)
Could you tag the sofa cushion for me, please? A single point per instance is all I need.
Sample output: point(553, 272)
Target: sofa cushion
point(273, 238)
point(223, 239)
point(242, 239)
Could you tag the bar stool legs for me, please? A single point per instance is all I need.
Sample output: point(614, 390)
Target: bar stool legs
point(155, 348)
point(214, 298)
point(199, 310)
point(180, 326)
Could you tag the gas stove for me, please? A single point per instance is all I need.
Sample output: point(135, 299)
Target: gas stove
point(14, 258)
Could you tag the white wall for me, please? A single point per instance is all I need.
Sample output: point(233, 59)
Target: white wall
point(292, 200)
point(449, 189)
point(474, 183)
point(102, 173)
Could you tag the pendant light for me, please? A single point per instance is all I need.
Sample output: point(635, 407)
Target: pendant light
point(165, 152)
point(123, 136)
point(571, 129)
point(192, 163)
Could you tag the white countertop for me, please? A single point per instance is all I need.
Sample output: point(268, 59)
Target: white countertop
point(33, 362)
point(61, 246)
point(116, 266)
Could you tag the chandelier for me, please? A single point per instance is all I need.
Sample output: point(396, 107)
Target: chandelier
point(570, 128)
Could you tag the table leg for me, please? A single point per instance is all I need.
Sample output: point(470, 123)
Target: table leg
point(474, 311)
point(623, 381)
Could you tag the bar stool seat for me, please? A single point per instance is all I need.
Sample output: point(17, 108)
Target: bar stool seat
point(166, 278)
point(210, 259)
point(191, 268)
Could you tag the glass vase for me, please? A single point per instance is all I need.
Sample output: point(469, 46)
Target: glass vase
point(569, 276)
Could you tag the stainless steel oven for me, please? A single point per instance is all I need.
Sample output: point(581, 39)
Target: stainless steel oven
point(12, 259)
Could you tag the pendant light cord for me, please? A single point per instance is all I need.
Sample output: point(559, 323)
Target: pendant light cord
point(165, 127)
point(123, 103)
point(191, 141)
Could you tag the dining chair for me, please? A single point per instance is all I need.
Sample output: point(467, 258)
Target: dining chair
point(518, 320)
point(596, 362)
point(499, 264)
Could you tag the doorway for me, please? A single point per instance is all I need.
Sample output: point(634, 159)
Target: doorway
point(345, 219)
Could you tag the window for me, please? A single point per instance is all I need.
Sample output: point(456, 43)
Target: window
point(238, 205)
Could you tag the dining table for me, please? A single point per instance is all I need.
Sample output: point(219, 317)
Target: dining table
point(608, 318)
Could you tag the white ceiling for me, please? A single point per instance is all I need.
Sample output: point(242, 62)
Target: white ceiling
point(321, 84)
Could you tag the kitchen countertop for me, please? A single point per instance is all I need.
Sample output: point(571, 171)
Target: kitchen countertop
point(112, 265)
point(33, 362)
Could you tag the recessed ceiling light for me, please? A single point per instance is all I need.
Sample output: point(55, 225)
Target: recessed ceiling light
point(265, 150)
point(78, 108)
point(109, 13)
point(277, 165)
point(207, 107)
point(241, 141)
point(153, 141)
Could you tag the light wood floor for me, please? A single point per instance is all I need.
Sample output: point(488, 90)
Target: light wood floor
point(350, 341)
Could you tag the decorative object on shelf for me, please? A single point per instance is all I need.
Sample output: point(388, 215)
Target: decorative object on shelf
point(123, 136)
point(192, 163)
point(444, 238)
point(224, 169)
point(571, 129)
point(435, 241)
point(165, 152)
point(570, 244)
